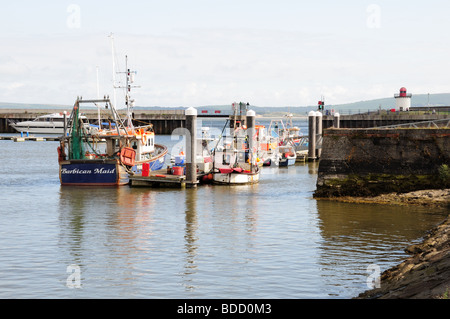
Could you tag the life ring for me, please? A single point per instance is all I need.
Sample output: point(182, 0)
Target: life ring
point(128, 156)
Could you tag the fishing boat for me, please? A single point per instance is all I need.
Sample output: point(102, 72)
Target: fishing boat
point(45, 124)
point(106, 157)
point(204, 158)
point(235, 176)
point(288, 156)
point(290, 130)
point(267, 147)
point(235, 161)
point(293, 136)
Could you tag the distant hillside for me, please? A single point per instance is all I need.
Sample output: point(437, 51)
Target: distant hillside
point(6, 105)
point(442, 99)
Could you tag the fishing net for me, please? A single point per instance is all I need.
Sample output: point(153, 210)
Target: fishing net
point(76, 145)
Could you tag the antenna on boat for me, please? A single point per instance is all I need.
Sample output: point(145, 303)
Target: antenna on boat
point(129, 80)
point(129, 102)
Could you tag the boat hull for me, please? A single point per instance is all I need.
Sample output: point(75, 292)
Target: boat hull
point(287, 162)
point(92, 173)
point(158, 163)
point(39, 130)
point(235, 178)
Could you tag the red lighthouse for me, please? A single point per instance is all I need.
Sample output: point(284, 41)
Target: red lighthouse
point(403, 100)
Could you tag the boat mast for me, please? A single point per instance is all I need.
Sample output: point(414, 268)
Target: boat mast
point(98, 107)
point(113, 68)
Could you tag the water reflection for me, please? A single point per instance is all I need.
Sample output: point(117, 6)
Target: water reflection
point(355, 236)
point(102, 232)
point(219, 224)
point(266, 240)
point(270, 240)
point(190, 237)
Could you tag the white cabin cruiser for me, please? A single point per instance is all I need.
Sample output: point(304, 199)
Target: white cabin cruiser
point(45, 124)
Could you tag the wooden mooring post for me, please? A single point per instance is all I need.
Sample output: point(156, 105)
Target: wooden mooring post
point(312, 131)
point(191, 147)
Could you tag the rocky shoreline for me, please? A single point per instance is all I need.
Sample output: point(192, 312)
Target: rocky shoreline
point(430, 197)
point(426, 274)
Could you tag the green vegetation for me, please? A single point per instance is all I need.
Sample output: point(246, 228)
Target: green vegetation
point(444, 175)
point(445, 295)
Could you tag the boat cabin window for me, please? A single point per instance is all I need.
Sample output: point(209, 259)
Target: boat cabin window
point(226, 159)
point(150, 141)
point(134, 146)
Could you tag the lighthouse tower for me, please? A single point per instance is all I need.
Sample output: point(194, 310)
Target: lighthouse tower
point(402, 100)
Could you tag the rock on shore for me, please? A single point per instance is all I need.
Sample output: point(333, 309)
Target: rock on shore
point(425, 275)
point(431, 197)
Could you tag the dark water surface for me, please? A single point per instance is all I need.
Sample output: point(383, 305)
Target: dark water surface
point(270, 240)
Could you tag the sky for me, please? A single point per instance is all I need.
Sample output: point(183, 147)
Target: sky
point(216, 52)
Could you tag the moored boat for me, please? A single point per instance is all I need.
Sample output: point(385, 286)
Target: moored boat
point(108, 154)
point(267, 147)
point(106, 157)
point(235, 162)
point(288, 156)
point(45, 124)
point(236, 176)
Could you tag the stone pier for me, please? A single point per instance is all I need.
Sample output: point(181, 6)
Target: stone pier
point(369, 162)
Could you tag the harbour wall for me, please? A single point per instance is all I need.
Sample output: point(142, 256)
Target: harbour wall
point(369, 162)
point(165, 121)
point(375, 119)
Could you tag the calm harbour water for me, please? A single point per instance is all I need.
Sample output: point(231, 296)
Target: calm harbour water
point(270, 240)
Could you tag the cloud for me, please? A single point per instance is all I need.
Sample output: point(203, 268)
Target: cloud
point(194, 64)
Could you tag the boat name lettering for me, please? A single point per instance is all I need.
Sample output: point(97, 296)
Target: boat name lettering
point(87, 171)
point(104, 171)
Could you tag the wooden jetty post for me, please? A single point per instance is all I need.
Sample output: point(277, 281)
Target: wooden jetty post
point(191, 147)
point(65, 124)
point(312, 136)
point(251, 136)
point(318, 132)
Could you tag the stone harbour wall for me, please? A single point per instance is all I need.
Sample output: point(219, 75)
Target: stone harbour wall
point(370, 162)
